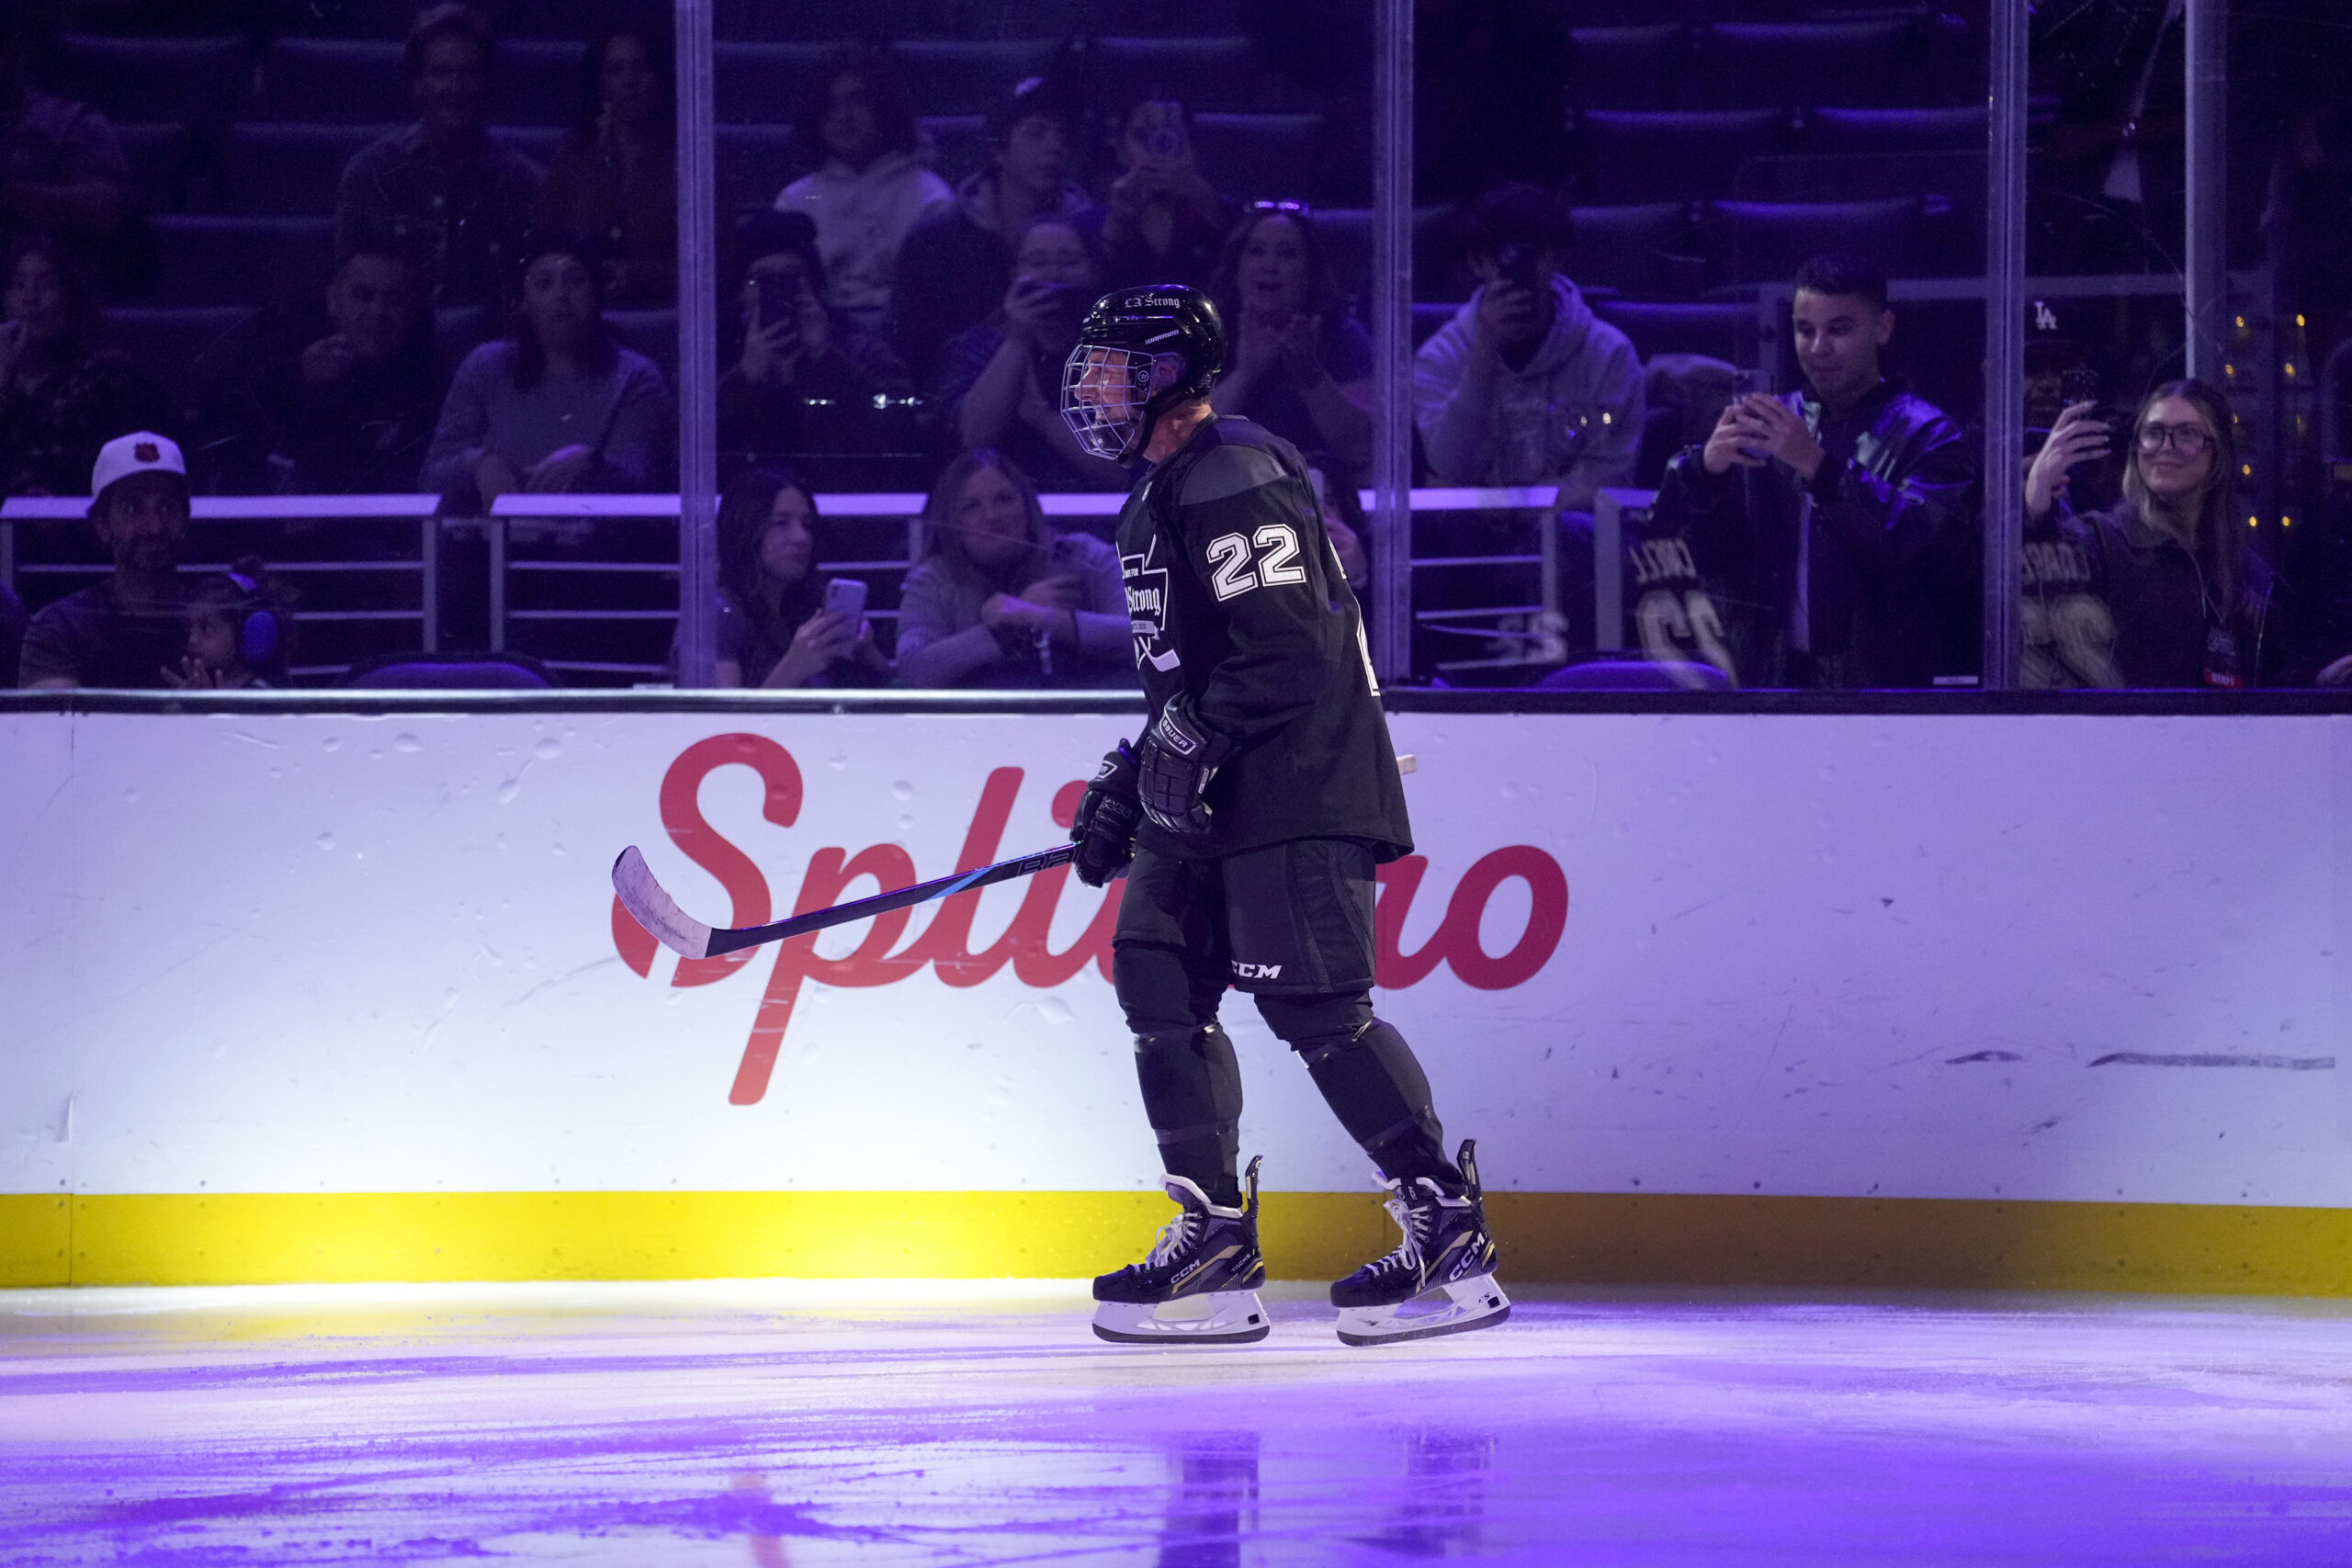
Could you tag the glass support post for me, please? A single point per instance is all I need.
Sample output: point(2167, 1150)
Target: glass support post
point(1392, 340)
point(2207, 241)
point(697, 353)
point(2005, 238)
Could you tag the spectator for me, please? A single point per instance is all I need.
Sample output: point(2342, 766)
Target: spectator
point(956, 265)
point(773, 629)
point(807, 376)
point(62, 172)
point(130, 628)
point(1165, 225)
point(2176, 597)
point(615, 176)
point(872, 189)
point(12, 634)
point(559, 404)
point(60, 395)
point(999, 385)
point(998, 599)
point(339, 396)
point(235, 633)
point(1852, 507)
point(1525, 386)
point(1300, 364)
point(441, 189)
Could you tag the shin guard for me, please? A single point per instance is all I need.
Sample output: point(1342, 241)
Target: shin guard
point(1192, 1093)
point(1373, 1084)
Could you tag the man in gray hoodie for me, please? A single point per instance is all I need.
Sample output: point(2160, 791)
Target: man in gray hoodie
point(1525, 386)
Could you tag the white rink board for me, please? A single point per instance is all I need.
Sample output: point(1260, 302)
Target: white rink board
point(1802, 954)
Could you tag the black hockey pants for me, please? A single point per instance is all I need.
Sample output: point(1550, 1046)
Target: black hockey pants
point(1292, 924)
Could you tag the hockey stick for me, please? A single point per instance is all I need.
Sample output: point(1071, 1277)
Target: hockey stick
point(654, 909)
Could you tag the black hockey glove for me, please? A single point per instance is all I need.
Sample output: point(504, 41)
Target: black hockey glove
point(1105, 828)
point(1179, 756)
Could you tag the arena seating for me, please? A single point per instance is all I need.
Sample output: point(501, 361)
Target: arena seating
point(1642, 249)
point(184, 81)
point(1790, 65)
point(966, 76)
point(757, 83)
point(1628, 68)
point(211, 259)
point(1257, 157)
point(1205, 73)
point(182, 346)
point(1762, 241)
point(1720, 332)
point(1685, 155)
point(287, 170)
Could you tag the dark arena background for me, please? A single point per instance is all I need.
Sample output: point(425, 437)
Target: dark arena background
point(1846, 504)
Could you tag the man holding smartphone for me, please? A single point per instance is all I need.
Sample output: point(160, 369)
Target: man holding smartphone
point(1854, 504)
point(1526, 385)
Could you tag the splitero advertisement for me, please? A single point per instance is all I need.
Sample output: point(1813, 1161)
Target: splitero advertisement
point(1910, 956)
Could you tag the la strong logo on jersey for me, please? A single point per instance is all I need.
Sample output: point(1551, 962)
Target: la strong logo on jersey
point(1146, 581)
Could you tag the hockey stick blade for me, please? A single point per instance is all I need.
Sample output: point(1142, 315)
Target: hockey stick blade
point(654, 909)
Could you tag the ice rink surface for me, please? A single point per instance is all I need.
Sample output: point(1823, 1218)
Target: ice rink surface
point(766, 1423)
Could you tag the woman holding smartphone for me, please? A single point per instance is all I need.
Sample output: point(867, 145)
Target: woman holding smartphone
point(997, 385)
point(998, 599)
point(807, 377)
point(778, 627)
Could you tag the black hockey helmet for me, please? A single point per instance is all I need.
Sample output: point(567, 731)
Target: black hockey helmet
point(1138, 351)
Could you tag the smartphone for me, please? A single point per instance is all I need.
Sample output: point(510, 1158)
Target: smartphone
point(2079, 385)
point(1159, 127)
point(1517, 266)
point(779, 296)
point(845, 596)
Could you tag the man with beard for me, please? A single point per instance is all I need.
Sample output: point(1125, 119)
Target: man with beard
point(130, 628)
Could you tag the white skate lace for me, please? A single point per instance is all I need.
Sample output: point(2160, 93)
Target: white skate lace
point(1174, 1237)
point(1408, 1251)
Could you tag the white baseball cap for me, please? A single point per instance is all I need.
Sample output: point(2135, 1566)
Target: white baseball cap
point(141, 452)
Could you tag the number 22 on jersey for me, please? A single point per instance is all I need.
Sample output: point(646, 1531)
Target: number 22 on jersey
point(1234, 570)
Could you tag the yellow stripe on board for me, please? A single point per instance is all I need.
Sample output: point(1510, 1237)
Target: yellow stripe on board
point(1557, 1237)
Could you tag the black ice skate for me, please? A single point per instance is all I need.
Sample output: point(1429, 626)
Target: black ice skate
point(1200, 1284)
point(1446, 1249)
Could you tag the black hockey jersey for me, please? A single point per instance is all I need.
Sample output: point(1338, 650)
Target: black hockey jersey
point(1235, 598)
point(1686, 593)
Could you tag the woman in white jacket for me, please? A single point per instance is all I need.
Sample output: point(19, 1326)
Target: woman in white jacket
point(872, 188)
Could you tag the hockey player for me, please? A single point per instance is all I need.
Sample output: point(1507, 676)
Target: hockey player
point(1249, 818)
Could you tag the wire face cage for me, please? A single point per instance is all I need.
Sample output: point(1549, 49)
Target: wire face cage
point(1104, 392)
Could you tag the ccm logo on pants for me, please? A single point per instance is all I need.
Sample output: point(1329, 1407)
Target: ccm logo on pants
point(1256, 971)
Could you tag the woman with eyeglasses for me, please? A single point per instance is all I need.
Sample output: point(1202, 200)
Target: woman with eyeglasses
point(2168, 593)
point(1299, 365)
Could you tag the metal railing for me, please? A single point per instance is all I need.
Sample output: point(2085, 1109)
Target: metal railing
point(1533, 624)
point(425, 566)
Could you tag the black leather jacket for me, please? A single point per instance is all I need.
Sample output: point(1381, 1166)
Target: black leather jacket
point(1895, 582)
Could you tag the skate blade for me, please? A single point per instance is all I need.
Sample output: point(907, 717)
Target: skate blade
point(1216, 1317)
point(1476, 1303)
